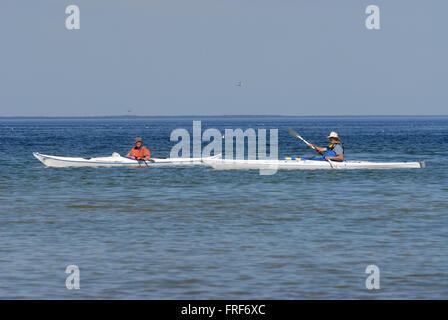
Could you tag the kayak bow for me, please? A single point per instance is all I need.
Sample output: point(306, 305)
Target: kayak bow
point(300, 164)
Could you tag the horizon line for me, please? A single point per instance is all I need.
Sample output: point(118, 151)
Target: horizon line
point(221, 116)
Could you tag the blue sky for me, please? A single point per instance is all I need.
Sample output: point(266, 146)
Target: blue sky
point(179, 57)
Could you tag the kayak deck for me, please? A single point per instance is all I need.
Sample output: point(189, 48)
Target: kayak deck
point(116, 160)
point(228, 164)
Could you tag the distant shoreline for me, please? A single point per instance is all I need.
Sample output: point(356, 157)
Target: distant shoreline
point(220, 116)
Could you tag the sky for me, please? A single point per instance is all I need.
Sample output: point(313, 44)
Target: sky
point(185, 57)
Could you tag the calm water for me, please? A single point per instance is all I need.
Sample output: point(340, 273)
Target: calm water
point(190, 233)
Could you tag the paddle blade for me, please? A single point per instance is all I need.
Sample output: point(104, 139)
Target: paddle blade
point(292, 132)
point(298, 136)
point(295, 134)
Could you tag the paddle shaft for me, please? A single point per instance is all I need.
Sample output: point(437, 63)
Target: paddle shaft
point(295, 134)
point(150, 160)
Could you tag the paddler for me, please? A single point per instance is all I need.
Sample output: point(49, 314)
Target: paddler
point(335, 151)
point(139, 152)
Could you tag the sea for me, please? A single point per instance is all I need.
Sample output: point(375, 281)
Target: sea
point(200, 233)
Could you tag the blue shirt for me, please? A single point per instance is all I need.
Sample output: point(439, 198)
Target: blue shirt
point(338, 149)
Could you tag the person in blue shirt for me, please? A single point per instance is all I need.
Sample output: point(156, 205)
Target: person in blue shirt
point(335, 151)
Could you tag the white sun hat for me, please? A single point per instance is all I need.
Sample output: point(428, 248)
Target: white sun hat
point(333, 135)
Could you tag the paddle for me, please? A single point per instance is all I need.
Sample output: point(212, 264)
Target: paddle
point(150, 160)
point(295, 134)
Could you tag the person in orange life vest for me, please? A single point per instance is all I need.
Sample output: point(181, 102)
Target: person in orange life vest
point(139, 152)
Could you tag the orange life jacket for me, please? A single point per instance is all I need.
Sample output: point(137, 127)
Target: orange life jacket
point(139, 153)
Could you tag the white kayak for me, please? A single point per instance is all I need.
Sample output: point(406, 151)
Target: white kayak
point(116, 160)
point(301, 164)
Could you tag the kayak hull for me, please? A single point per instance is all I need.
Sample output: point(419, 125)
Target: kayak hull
point(227, 164)
point(116, 161)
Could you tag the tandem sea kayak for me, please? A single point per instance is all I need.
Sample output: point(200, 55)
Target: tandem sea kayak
point(301, 164)
point(116, 160)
